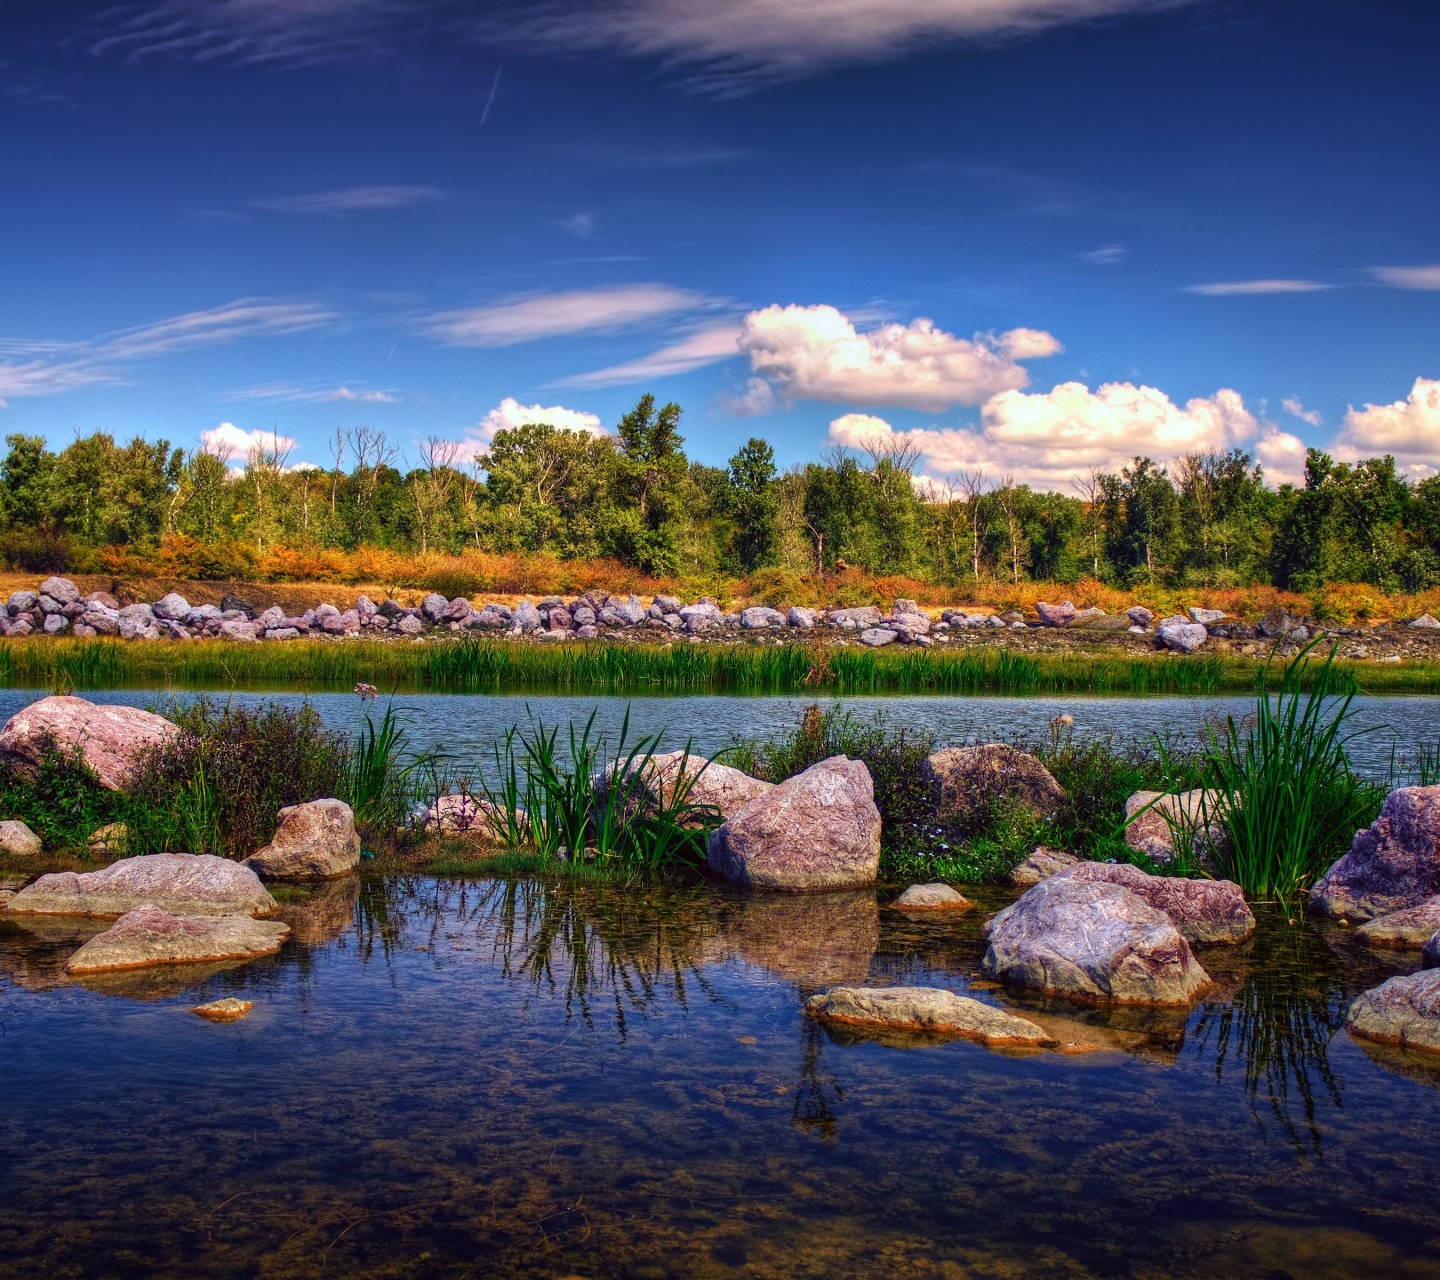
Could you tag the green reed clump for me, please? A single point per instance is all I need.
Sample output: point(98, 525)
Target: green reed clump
point(381, 778)
point(1284, 789)
point(217, 786)
point(592, 804)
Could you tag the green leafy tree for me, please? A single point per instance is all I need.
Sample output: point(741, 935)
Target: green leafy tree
point(754, 505)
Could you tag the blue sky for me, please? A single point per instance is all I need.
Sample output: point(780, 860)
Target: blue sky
point(1032, 236)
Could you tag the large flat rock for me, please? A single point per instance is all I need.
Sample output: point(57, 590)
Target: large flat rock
point(109, 739)
point(1093, 940)
point(817, 830)
point(148, 936)
point(1407, 930)
point(186, 884)
point(1404, 1011)
point(926, 1009)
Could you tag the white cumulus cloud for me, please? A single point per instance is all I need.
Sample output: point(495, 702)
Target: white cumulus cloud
point(816, 353)
point(1052, 438)
point(229, 441)
point(551, 315)
point(1408, 429)
point(1293, 406)
point(510, 413)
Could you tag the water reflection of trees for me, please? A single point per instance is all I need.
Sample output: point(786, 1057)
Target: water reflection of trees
point(1289, 1001)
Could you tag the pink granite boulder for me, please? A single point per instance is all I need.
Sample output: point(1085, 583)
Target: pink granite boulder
point(110, 739)
point(817, 830)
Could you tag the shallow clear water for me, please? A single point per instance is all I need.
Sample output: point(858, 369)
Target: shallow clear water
point(468, 725)
point(447, 1078)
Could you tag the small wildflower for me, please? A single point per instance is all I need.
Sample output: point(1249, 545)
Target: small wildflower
point(366, 691)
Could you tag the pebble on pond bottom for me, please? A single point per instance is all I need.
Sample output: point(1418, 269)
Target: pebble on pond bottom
point(227, 1010)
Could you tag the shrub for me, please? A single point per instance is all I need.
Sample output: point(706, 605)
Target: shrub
point(62, 802)
point(216, 788)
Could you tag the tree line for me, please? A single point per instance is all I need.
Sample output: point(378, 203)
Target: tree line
point(1208, 519)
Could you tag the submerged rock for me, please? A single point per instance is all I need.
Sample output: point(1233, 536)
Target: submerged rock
point(18, 841)
point(1093, 940)
point(1041, 864)
point(1404, 930)
point(147, 936)
point(817, 830)
point(187, 884)
point(1403, 1011)
point(970, 777)
point(1392, 865)
point(314, 841)
point(926, 1009)
point(109, 739)
point(226, 1010)
point(1205, 911)
point(932, 897)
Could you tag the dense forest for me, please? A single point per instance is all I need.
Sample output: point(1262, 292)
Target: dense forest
point(634, 497)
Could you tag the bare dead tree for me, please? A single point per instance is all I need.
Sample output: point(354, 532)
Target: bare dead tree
point(337, 473)
point(972, 486)
point(1088, 487)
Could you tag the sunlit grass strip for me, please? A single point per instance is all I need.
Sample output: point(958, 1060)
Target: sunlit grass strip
point(473, 665)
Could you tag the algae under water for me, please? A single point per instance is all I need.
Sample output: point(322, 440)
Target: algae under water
point(510, 1077)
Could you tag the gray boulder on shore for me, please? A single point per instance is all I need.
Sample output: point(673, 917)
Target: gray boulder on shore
point(314, 841)
point(110, 739)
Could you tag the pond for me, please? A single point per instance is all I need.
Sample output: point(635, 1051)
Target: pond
point(485, 1077)
point(468, 725)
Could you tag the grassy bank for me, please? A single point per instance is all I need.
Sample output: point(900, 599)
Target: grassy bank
point(487, 666)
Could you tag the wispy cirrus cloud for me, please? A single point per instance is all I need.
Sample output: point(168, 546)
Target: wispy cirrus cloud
point(731, 47)
point(296, 393)
point(529, 317)
point(42, 368)
point(717, 47)
point(353, 200)
point(1427, 277)
point(704, 347)
point(1247, 288)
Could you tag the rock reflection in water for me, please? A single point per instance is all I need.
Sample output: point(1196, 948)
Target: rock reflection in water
point(323, 913)
point(810, 939)
point(34, 949)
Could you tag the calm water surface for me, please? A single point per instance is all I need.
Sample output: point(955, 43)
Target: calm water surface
point(450, 1079)
point(468, 725)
